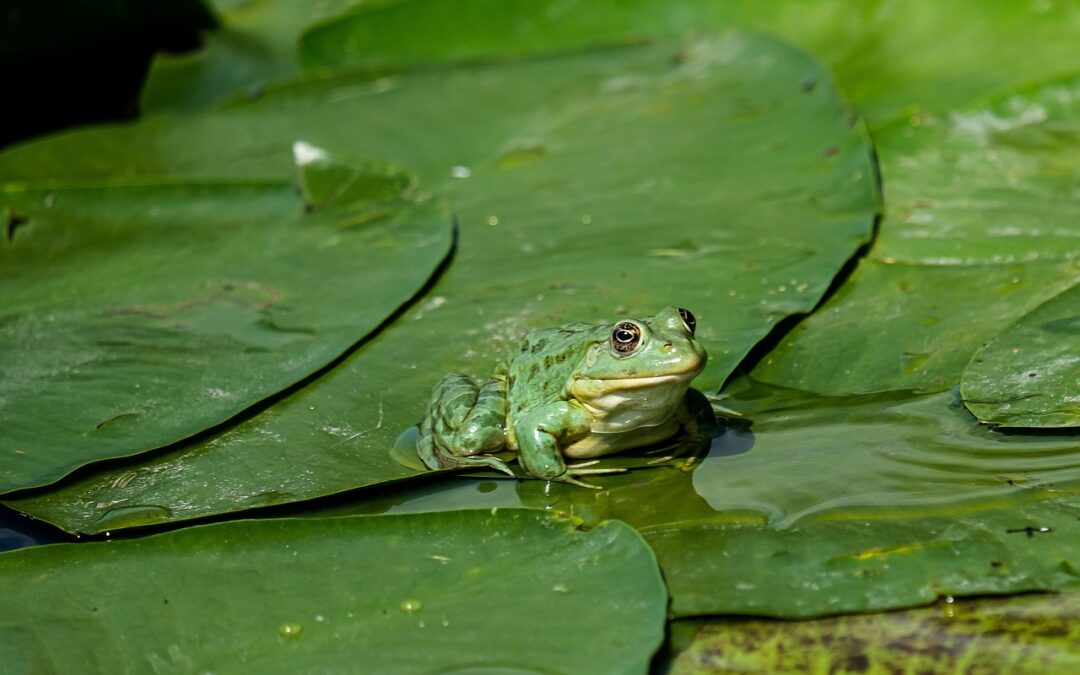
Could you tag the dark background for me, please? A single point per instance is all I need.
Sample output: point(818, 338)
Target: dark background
point(64, 63)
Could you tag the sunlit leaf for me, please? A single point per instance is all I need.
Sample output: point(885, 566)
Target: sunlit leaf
point(1029, 376)
point(140, 312)
point(590, 187)
point(886, 55)
point(982, 225)
point(455, 592)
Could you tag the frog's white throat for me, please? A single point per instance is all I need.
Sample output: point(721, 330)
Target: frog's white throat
point(619, 405)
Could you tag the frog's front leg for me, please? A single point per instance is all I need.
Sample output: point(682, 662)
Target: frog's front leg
point(543, 431)
point(463, 421)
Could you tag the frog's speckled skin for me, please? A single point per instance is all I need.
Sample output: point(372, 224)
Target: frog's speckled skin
point(576, 391)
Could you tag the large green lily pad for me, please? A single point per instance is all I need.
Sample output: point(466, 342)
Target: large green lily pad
point(886, 55)
point(1029, 376)
point(139, 313)
point(856, 505)
point(471, 590)
point(1025, 634)
point(587, 188)
point(826, 506)
point(981, 227)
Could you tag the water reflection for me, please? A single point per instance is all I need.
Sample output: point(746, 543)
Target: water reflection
point(451, 493)
point(18, 531)
point(815, 454)
point(792, 456)
point(730, 441)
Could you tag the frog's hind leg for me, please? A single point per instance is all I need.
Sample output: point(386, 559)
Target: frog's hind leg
point(464, 420)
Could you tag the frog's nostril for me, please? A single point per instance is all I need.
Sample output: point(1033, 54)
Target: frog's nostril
point(668, 347)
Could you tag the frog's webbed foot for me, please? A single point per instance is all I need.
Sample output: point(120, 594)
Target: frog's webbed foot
point(699, 425)
point(463, 422)
point(434, 457)
point(726, 412)
point(581, 469)
point(684, 453)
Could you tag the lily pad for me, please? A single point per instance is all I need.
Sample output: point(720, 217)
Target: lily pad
point(982, 225)
point(886, 56)
point(856, 505)
point(587, 188)
point(255, 43)
point(826, 506)
point(1029, 376)
point(464, 591)
point(139, 313)
point(1024, 634)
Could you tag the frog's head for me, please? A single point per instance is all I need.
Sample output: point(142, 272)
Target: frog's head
point(644, 362)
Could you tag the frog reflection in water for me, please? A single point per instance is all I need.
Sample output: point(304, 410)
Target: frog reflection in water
point(579, 391)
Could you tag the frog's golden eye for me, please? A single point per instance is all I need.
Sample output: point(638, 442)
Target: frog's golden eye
point(626, 337)
point(688, 319)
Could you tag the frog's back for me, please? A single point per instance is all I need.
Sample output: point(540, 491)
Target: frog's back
point(540, 369)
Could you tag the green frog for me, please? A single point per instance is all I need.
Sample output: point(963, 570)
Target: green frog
point(575, 392)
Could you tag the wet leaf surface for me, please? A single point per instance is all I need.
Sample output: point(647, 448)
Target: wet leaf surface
point(981, 227)
point(822, 505)
point(1029, 376)
point(828, 505)
point(139, 313)
point(1023, 634)
point(445, 592)
point(587, 188)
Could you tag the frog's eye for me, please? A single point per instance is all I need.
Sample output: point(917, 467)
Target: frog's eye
point(626, 337)
point(688, 319)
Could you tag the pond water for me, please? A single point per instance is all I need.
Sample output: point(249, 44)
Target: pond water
point(801, 482)
point(18, 530)
point(794, 457)
point(843, 504)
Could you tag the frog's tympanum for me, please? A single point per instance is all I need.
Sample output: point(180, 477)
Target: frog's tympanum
point(575, 392)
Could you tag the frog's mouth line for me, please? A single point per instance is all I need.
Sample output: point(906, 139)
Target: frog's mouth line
point(641, 382)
